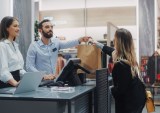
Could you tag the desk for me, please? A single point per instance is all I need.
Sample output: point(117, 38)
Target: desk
point(45, 100)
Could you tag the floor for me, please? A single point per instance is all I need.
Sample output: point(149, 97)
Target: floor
point(157, 109)
point(156, 101)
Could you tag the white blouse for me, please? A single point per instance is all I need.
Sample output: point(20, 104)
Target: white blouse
point(10, 60)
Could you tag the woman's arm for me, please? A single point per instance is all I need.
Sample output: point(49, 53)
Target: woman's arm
point(5, 74)
point(106, 49)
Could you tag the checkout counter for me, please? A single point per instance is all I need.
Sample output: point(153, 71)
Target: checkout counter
point(90, 97)
point(50, 100)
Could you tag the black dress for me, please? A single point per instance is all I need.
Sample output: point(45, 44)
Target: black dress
point(128, 92)
point(16, 76)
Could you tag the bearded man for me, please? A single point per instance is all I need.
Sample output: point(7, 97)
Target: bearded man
point(42, 54)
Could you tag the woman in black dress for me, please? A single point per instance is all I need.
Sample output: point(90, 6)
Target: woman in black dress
point(128, 90)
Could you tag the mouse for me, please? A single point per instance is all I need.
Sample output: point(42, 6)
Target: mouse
point(58, 83)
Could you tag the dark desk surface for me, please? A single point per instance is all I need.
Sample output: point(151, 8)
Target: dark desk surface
point(51, 94)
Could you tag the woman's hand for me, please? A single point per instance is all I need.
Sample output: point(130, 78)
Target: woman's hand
point(92, 42)
point(97, 44)
point(13, 82)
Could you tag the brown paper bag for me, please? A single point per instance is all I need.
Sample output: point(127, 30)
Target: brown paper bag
point(90, 57)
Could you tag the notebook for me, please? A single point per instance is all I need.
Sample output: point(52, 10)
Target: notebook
point(29, 82)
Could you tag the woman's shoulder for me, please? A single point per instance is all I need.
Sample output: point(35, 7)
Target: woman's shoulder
point(6, 43)
point(2, 44)
point(121, 64)
point(122, 67)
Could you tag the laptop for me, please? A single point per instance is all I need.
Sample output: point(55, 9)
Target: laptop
point(28, 83)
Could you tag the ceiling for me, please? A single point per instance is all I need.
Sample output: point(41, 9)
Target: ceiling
point(76, 4)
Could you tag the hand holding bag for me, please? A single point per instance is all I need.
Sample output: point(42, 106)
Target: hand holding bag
point(149, 102)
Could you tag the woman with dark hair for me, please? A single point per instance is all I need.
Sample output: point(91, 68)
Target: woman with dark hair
point(127, 90)
point(11, 60)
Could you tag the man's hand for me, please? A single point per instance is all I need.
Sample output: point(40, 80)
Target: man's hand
point(49, 77)
point(84, 39)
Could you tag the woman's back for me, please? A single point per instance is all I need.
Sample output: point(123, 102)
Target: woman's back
point(127, 89)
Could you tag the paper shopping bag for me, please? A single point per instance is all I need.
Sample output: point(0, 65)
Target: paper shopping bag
point(90, 57)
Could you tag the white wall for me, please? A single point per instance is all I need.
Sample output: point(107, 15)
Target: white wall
point(158, 8)
point(95, 32)
point(6, 8)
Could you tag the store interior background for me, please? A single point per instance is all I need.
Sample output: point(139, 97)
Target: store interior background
point(76, 18)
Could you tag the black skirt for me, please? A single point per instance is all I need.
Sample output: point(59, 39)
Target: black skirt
point(16, 76)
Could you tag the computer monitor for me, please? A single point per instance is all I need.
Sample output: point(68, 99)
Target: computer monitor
point(69, 72)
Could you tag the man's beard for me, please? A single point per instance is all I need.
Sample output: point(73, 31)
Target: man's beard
point(46, 34)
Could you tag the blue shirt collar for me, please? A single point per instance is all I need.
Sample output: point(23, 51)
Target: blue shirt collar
point(42, 44)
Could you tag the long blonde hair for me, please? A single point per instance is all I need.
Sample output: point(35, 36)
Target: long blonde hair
point(124, 49)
